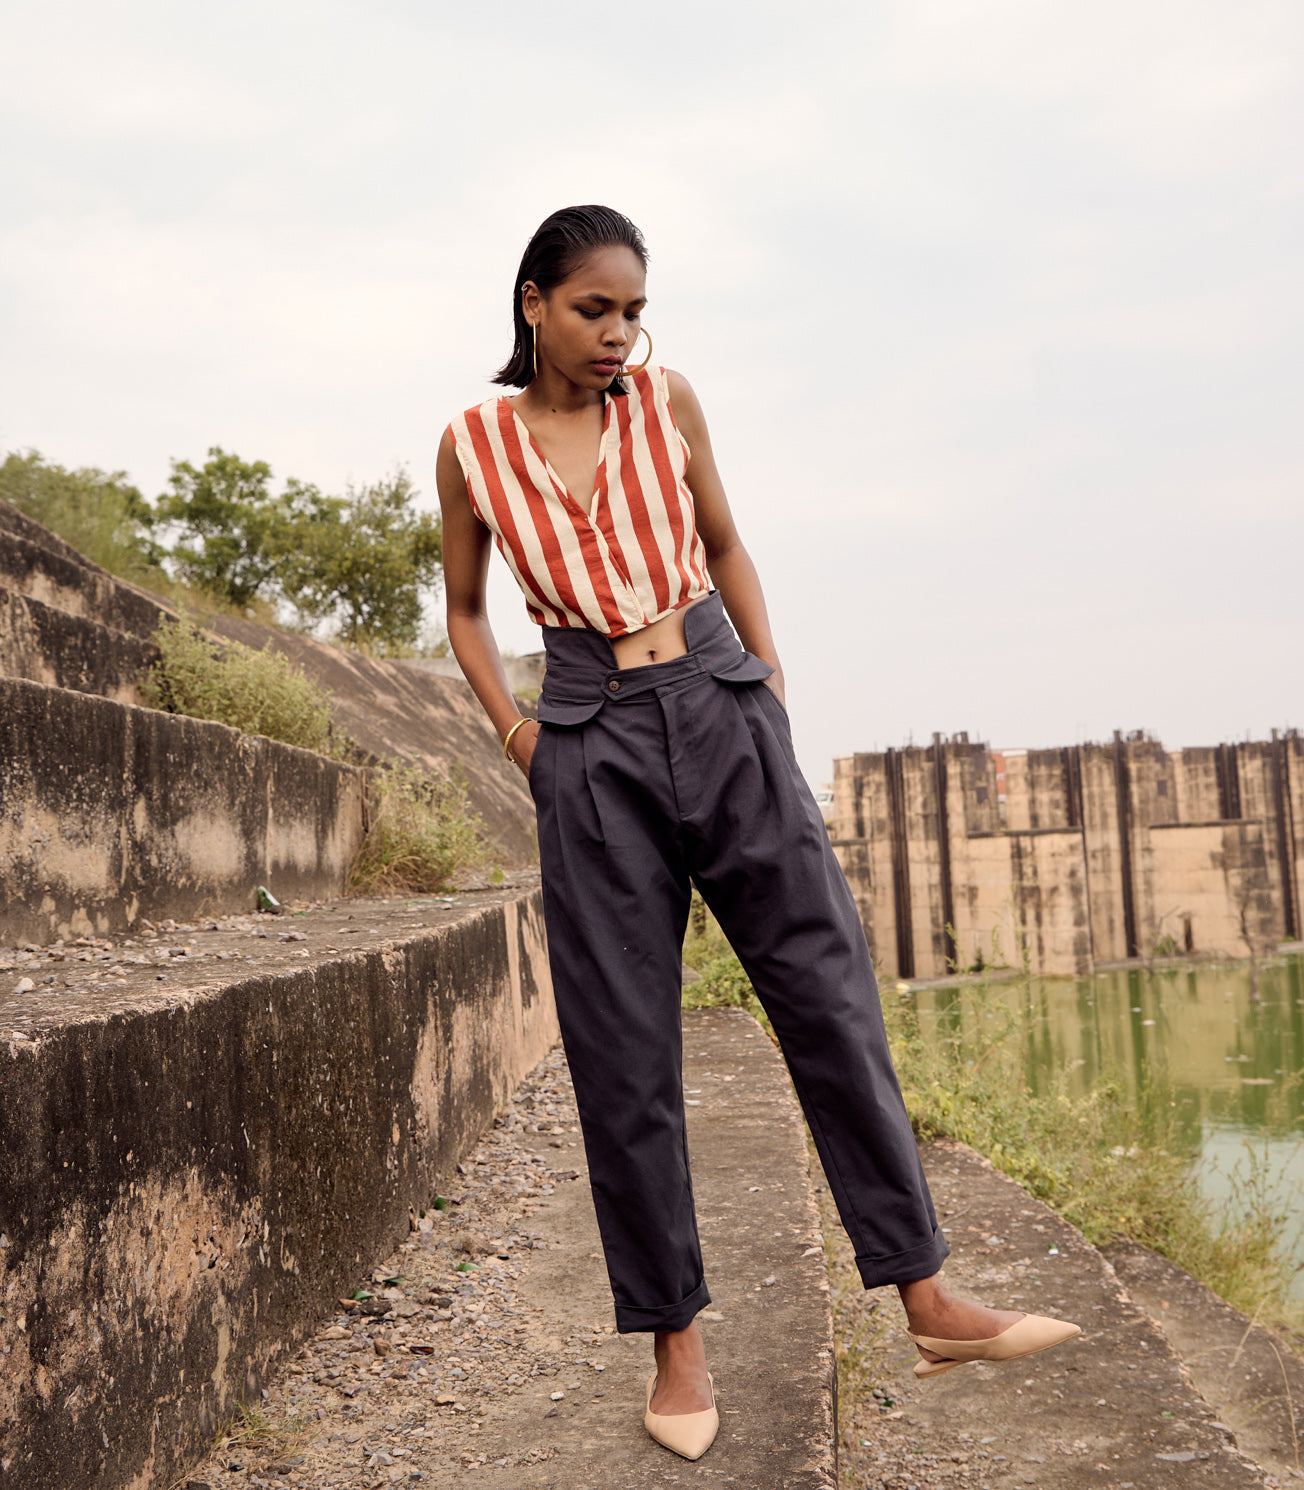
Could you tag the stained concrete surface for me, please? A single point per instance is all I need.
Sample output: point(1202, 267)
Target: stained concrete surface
point(1249, 1375)
point(395, 711)
point(109, 812)
point(188, 1166)
point(1114, 1409)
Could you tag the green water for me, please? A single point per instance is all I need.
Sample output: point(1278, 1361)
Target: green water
point(1233, 1063)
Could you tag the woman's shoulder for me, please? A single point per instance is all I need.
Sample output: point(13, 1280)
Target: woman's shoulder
point(664, 383)
point(460, 432)
point(484, 410)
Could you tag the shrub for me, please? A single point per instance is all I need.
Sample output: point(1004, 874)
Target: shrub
point(424, 834)
point(261, 693)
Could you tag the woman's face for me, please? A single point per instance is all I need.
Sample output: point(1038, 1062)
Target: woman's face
point(589, 323)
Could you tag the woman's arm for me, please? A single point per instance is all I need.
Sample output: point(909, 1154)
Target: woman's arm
point(731, 566)
point(467, 546)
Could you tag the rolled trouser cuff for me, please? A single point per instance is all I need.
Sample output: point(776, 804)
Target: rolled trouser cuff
point(631, 1321)
point(905, 1267)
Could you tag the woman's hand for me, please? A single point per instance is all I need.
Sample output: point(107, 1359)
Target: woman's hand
point(523, 743)
point(775, 684)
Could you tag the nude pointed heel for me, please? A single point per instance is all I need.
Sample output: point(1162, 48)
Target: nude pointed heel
point(1025, 1336)
point(688, 1434)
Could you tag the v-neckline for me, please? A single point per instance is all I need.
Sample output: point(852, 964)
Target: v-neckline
point(591, 511)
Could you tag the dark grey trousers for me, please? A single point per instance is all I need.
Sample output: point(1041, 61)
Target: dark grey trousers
point(649, 780)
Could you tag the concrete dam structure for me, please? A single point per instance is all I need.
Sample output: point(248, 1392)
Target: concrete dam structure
point(961, 857)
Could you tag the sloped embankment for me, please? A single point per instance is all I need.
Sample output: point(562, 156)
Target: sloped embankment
point(396, 711)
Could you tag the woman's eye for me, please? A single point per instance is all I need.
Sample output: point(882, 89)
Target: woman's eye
point(589, 315)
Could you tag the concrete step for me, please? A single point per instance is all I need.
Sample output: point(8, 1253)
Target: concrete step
point(67, 622)
point(110, 812)
point(1250, 1376)
point(45, 644)
point(204, 1133)
point(1116, 1408)
point(511, 1370)
point(37, 563)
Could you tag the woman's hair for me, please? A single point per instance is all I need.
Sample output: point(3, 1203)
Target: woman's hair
point(560, 244)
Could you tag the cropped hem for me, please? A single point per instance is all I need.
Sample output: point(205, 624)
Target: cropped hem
point(631, 1321)
point(905, 1267)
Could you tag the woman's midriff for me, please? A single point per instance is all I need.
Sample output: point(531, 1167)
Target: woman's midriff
point(659, 642)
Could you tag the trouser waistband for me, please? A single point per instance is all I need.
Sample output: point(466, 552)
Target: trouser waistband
point(582, 674)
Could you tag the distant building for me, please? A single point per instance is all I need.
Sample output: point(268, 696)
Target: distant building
point(960, 856)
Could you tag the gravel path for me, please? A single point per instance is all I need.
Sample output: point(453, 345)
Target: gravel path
point(393, 1389)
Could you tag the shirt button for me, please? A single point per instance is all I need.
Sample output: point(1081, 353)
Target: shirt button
point(614, 685)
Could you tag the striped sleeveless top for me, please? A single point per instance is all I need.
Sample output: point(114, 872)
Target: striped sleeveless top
point(636, 558)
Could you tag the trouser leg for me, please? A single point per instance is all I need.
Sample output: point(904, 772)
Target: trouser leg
point(616, 894)
point(760, 854)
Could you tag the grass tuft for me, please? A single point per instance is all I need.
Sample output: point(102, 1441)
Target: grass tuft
point(424, 834)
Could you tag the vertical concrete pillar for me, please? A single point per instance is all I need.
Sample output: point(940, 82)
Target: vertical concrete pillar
point(944, 850)
point(896, 796)
point(1123, 801)
point(1283, 805)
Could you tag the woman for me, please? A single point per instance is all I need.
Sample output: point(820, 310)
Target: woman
point(663, 758)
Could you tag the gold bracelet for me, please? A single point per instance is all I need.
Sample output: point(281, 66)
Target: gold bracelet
point(507, 742)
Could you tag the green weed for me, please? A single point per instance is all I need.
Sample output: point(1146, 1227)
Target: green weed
point(424, 834)
point(261, 693)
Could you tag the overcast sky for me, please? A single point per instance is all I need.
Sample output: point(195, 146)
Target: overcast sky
point(994, 306)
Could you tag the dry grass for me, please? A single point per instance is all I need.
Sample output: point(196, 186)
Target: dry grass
point(424, 835)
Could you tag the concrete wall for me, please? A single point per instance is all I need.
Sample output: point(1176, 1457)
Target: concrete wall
point(45, 645)
point(1025, 895)
point(524, 674)
point(183, 1191)
point(1099, 852)
point(1211, 888)
point(109, 812)
point(37, 563)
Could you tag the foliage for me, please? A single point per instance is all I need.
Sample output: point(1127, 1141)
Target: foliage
point(362, 561)
point(98, 512)
point(361, 564)
point(424, 834)
point(261, 693)
point(721, 981)
point(1111, 1168)
point(232, 532)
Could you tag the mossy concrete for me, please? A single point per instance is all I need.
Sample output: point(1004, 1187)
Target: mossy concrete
point(186, 1184)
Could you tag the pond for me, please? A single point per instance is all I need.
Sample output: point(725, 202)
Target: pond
point(1231, 1057)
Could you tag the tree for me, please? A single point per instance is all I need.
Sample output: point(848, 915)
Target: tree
point(232, 531)
point(98, 512)
point(363, 561)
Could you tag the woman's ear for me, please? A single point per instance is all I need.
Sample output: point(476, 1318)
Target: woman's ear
point(531, 301)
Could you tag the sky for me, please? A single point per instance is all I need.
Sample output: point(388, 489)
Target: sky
point(994, 306)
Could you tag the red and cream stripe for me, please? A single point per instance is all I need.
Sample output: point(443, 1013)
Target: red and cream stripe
point(636, 558)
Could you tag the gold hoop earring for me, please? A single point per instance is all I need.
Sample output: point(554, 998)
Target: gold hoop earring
point(535, 329)
point(628, 372)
